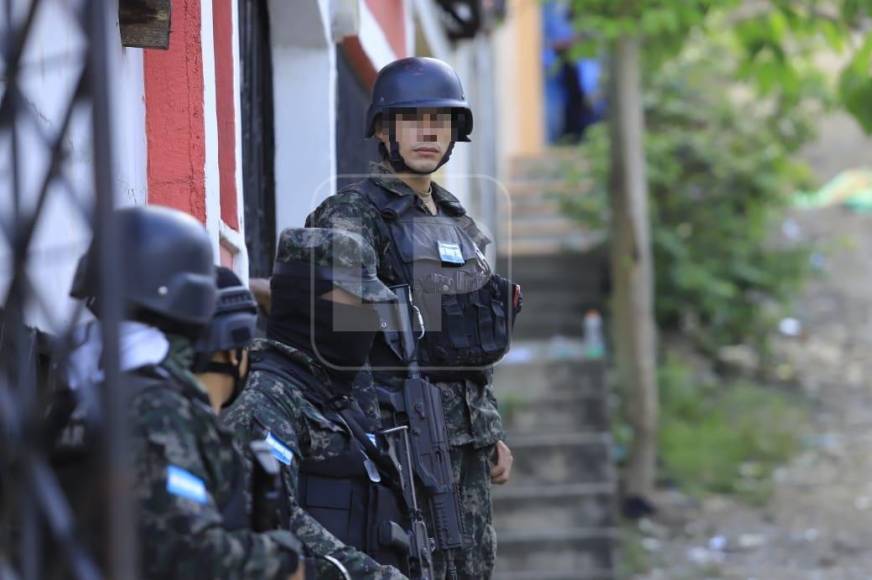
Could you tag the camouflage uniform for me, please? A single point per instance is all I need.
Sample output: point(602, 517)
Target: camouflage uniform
point(272, 406)
point(473, 421)
point(187, 472)
point(269, 405)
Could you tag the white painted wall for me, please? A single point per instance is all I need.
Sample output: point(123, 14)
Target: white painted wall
point(47, 81)
point(373, 39)
point(304, 94)
point(210, 123)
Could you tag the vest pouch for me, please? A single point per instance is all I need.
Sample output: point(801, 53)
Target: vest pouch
point(388, 534)
point(454, 327)
point(486, 319)
point(500, 303)
point(340, 505)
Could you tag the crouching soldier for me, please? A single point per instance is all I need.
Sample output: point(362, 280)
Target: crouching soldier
point(341, 494)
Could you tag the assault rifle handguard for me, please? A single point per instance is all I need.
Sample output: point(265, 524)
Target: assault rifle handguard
point(418, 406)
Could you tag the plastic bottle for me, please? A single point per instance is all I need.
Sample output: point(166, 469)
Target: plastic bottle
point(594, 342)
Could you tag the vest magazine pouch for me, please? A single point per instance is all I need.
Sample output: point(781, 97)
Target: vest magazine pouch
point(454, 325)
point(485, 319)
point(331, 501)
point(500, 306)
point(388, 540)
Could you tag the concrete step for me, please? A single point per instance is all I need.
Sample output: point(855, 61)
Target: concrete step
point(573, 553)
point(547, 225)
point(561, 458)
point(564, 271)
point(545, 188)
point(522, 207)
point(545, 244)
point(554, 414)
point(549, 575)
point(556, 161)
point(554, 507)
point(537, 376)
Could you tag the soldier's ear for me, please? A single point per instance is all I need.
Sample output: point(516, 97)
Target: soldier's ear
point(381, 131)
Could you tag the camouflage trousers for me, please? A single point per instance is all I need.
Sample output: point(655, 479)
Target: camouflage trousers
point(472, 473)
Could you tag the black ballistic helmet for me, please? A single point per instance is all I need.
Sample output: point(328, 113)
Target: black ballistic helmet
point(233, 323)
point(167, 271)
point(419, 83)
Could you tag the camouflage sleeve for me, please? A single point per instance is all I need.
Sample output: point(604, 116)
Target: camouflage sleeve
point(351, 211)
point(251, 415)
point(181, 526)
point(497, 425)
point(322, 543)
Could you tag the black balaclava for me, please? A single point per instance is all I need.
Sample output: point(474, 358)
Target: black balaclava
point(299, 317)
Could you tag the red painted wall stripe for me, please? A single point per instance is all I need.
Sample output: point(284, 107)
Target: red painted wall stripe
point(226, 109)
point(391, 17)
point(359, 61)
point(174, 116)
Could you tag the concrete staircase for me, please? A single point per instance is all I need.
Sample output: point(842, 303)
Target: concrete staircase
point(561, 266)
point(556, 519)
point(532, 218)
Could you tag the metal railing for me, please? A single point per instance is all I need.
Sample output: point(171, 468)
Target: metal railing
point(39, 535)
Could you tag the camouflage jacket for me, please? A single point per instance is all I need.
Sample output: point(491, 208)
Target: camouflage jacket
point(187, 472)
point(471, 410)
point(275, 408)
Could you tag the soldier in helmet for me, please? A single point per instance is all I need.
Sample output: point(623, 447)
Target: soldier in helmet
point(298, 399)
point(221, 361)
point(424, 238)
point(187, 475)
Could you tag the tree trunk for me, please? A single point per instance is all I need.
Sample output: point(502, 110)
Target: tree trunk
point(632, 268)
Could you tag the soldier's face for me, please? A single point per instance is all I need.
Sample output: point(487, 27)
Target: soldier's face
point(423, 136)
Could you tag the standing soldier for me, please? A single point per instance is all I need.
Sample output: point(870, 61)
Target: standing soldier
point(341, 497)
point(424, 238)
point(188, 477)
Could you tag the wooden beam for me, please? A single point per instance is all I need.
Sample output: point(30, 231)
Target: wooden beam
point(145, 23)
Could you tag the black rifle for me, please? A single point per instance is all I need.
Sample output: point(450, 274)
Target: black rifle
point(418, 407)
point(419, 544)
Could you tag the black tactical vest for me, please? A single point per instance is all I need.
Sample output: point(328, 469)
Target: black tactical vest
point(354, 495)
point(467, 309)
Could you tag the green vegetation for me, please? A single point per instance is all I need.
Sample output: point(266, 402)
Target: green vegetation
point(725, 438)
point(720, 172)
point(633, 558)
point(776, 41)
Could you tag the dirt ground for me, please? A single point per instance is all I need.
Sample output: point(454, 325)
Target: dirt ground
point(818, 524)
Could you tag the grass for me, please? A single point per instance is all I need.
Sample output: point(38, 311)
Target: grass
point(633, 558)
point(725, 438)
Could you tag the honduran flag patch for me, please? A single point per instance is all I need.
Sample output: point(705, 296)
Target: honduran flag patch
point(185, 484)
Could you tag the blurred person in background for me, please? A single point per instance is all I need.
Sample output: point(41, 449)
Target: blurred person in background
point(573, 98)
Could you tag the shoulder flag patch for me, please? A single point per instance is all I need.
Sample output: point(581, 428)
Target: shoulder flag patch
point(279, 450)
point(185, 484)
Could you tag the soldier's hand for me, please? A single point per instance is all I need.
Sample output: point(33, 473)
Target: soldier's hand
point(502, 469)
point(300, 574)
point(262, 294)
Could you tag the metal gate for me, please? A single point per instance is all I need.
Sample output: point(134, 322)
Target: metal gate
point(39, 537)
point(258, 149)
